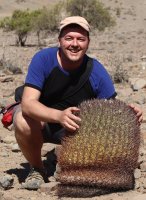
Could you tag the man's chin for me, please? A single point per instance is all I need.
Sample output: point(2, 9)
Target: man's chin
point(74, 59)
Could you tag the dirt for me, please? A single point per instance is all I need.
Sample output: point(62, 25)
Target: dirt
point(123, 45)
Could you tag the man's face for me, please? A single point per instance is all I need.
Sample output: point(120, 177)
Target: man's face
point(74, 43)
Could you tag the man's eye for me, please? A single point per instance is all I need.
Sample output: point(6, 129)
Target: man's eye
point(81, 39)
point(68, 39)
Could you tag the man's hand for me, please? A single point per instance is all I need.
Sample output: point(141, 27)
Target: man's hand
point(69, 120)
point(138, 112)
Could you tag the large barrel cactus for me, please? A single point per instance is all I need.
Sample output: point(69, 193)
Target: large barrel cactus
point(103, 153)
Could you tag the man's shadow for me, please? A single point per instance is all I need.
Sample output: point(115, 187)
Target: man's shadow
point(49, 161)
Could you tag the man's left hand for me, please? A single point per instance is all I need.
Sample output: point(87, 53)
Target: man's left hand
point(138, 112)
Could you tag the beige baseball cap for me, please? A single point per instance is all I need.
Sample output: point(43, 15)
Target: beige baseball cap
point(75, 20)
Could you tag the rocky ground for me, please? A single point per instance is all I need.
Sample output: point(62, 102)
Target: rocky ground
point(122, 48)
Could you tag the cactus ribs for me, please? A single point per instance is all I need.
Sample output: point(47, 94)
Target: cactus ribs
point(102, 155)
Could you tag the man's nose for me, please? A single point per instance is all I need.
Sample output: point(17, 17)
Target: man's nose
point(74, 42)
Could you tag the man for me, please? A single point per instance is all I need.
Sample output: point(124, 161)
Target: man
point(53, 89)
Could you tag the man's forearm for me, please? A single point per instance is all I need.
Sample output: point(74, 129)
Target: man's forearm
point(40, 112)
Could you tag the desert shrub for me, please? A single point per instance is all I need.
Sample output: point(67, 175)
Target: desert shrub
point(118, 11)
point(94, 11)
point(20, 23)
point(5, 23)
point(23, 22)
point(8, 65)
point(120, 75)
point(118, 69)
point(46, 20)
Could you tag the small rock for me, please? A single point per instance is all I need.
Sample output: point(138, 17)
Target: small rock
point(4, 154)
point(47, 147)
point(58, 168)
point(52, 179)
point(6, 181)
point(139, 84)
point(137, 184)
point(48, 187)
point(6, 79)
point(137, 173)
point(143, 167)
point(144, 183)
point(9, 139)
point(140, 160)
point(15, 148)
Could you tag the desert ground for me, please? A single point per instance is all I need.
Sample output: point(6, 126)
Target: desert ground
point(123, 45)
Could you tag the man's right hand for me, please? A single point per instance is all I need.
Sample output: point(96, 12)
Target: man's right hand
point(69, 120)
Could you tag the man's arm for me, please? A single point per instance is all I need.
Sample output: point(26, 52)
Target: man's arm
point(36, 110)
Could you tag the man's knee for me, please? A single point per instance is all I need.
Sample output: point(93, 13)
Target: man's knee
point(23, 124)
point(20, 124)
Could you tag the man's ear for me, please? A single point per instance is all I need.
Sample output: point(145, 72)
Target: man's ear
point(58, 41)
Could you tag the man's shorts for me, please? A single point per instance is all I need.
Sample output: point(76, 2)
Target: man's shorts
point(53, 133)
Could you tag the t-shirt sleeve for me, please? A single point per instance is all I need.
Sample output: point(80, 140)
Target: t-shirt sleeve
point(36, 72)
point(101, 82)
point(106, 88)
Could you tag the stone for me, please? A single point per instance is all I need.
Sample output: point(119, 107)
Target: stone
point(139, 84)
point(137, 184)
point(144, 183)
point(4, 154)
point(48, 187)
point(6, 181)
point(6, 79)
point(143, 167)
point(137, 173)
point(9, 139)
point(52, 179)
point(47, 147)
point(15, 148)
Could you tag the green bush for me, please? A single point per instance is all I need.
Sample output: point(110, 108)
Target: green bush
point(94, 11)
point(23, 22)
point(5, 23)
point(47, 20)
point(20, 23)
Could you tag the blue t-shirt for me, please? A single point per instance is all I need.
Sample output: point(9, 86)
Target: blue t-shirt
point(45, 61)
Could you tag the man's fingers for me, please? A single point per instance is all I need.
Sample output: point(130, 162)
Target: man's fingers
point(71, 127)
point(138, 112)
point(74, 118)
point(72, 122)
